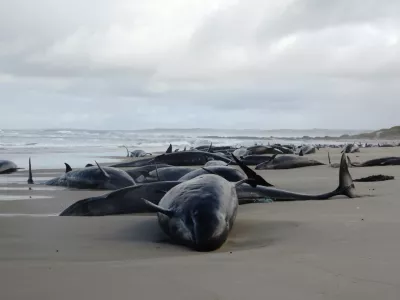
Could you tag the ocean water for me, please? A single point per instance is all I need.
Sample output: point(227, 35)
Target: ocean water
point(50, 148)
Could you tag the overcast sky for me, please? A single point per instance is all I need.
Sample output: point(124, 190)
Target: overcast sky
point(265, 64)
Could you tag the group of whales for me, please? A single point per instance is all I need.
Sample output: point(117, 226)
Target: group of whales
point(196, 207)
point(199, 210)
point(254, 156)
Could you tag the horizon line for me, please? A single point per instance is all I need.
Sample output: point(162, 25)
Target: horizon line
point(194, 128)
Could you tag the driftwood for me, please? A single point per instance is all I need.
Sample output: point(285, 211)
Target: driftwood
point(374, 178)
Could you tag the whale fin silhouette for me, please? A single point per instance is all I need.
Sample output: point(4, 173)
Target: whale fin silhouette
point(30, 179)
point(159, 209)
point(67, 168)
point(346, 185)
point(127, 151)
point(169, 150)
point(250, 173)
point(103, 171)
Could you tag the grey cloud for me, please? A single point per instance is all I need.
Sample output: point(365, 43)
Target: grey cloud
point(311, 15)
point(251, 64)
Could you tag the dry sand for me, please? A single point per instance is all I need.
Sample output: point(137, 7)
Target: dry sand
point(335, 249)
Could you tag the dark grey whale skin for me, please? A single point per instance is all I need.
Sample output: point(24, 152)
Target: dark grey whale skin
point(229, 173)
point(7, 167)
point(189, 158)
point(198, 213)
point(128, 200)
point(170, 173)
point(288, 162)
point(384, 161)
point(93, 178)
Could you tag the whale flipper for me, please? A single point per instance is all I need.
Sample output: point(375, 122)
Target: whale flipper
point(102, 170)
point(346, 185)
point(159, 209)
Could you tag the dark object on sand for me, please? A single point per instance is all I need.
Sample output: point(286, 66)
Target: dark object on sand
point(96, 177)
point(374, 178)
point(8, 167)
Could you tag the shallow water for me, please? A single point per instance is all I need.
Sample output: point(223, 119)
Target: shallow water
point(51, 148)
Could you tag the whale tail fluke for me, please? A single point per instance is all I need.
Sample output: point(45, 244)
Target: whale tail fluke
point(127, 151)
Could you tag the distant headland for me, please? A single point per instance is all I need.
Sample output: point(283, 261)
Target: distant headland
point(392, 133)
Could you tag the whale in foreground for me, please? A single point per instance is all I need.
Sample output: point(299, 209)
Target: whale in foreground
point(198, 213)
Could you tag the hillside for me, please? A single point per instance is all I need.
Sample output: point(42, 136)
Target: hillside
point(389, 134)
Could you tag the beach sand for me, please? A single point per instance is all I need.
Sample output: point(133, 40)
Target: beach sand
point(335, 249)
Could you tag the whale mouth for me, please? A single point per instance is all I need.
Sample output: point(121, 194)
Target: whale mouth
point(209, 231)
point(211, 244)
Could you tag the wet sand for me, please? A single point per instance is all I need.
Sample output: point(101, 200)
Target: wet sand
point(335, 249)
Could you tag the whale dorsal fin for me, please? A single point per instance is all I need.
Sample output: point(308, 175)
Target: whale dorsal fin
point(272, 158)
point(348, 160)
point(329, 158)
point(127, 151)
point(67, 168)
point(250, 173)
point(30, 179)
point(159, 209)
point(88, 165)
point(169, 150)
point(102, 170)
point(210, 148)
